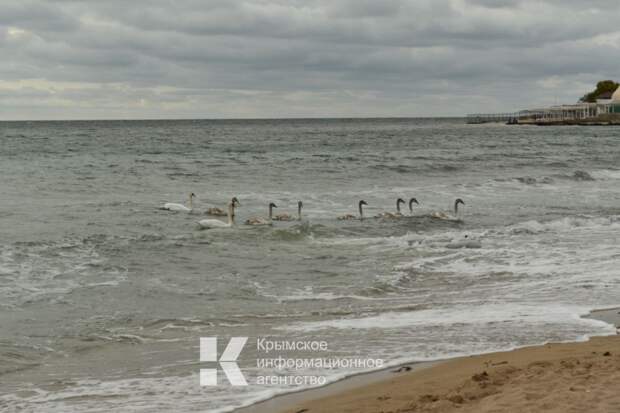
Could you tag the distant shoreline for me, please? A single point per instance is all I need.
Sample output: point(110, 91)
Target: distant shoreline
point(200, 119)
point(612, 122)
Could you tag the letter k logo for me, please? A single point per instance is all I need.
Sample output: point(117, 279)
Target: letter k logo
point(228, 361)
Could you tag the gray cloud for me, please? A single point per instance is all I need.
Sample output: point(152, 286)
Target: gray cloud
point(273, 58)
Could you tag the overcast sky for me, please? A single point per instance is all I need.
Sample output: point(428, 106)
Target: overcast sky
point(71, 59)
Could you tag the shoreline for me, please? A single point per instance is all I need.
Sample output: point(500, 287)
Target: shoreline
point(351, 393)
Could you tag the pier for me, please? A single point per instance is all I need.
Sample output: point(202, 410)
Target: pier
point(478, 118)
point(601, 112)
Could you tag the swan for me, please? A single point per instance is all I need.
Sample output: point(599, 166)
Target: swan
point(216, 223)
point(447, 216)
point(216, 212)
point(262, 221)
point(180, 207)
point(396, 214)
point(411, 202)
point(351, 216)
point(288, 217)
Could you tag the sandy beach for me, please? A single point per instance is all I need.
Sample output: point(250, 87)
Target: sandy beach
point(564, 377)
point(574, 377)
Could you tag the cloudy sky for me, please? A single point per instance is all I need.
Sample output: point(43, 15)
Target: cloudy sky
point(72, 59)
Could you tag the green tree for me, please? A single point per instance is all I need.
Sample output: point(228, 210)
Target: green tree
point(601, 87)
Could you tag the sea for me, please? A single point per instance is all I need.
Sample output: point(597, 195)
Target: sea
point(104, 297)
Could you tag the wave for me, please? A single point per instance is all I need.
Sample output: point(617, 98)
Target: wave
point(298, 232)
point(528, 180)
point(178, 322)
point(578, 176)
point(606, 174)
point(402, 169)
point(581, 176)
point(534, 227)
point(408, 169)
point(458, 315)
point(183, 174)
point(49, 270)
point(327, 296)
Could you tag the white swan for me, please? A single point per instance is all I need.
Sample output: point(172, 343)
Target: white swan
point(411, 202)
point(262, 221)
point(288, 217)
point(447, 216)
point(180, 207)
point(216, 223)
point(351, 216)
point(391, 215)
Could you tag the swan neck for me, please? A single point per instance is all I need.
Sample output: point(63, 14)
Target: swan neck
point(231, 214)
point(299, 213)
point(361, 212)
point(270, 212)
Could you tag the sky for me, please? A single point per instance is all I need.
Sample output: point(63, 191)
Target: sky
point(138, 59)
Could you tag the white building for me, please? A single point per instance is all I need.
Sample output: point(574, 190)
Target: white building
point(604, 110)
point(580, 111)
point(612, 105)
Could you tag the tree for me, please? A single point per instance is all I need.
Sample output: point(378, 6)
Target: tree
point(601, 87)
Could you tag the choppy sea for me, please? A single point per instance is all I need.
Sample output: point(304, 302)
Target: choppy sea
point(103, 296)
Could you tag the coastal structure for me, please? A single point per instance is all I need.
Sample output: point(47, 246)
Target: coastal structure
point(605, 111)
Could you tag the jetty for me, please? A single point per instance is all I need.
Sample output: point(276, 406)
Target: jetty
point(601, 112)
point(478, 118)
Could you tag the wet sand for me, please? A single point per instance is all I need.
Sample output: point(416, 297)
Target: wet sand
point(568, 377)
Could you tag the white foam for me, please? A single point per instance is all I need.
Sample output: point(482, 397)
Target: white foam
point(606, 174)
point(312, 296)
point(481, 314)
point(40, 271)
point(565, 224)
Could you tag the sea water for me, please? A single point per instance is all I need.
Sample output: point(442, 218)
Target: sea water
point(104, 297)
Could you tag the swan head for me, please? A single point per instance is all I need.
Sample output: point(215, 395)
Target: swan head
point(192, 195)
point(235, 202)
point(360, 208)
point(271, 207)
point(456, 204)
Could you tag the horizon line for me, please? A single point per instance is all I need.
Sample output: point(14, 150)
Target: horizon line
point(225, 119)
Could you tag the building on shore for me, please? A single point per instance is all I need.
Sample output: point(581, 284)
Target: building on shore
point(602, 112)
